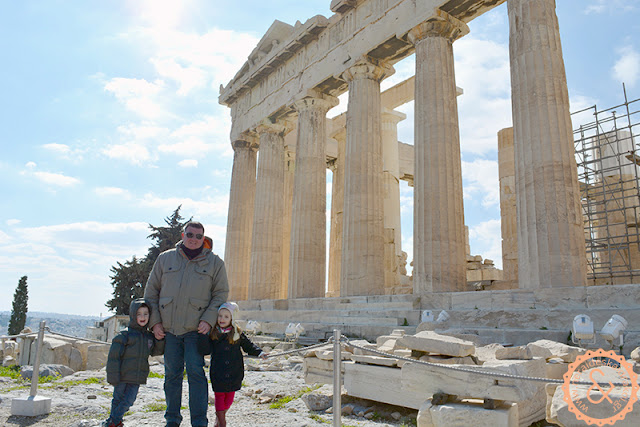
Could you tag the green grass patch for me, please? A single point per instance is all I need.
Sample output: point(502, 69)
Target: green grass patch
point(73, 383)
point(284, 400)
point(155, 375)
point(10, 371)
point(319, 419)
point(155, 407)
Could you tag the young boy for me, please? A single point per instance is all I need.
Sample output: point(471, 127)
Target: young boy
point(128, 362)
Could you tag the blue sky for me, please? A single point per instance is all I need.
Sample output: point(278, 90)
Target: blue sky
point(110, 120)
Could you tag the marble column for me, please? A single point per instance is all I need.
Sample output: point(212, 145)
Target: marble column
point(237, 252)
point(551, 246)
point(337, 211)
point(265, 279)
point(362, 266)
point(439, 262)
point(289, 171)
point(391, 184)
point(508, 215)
point(307, 266)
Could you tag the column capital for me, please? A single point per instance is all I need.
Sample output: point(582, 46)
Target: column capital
point(240, 144)
point(392, 116)
point(368, 68)
point(440, 25)
point(317, 100)
point(279, 127)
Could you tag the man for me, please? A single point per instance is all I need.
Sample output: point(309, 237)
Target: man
point(185, 289)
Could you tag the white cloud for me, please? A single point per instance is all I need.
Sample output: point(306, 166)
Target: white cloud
point(482, 71)
point(485, 239)
point(627, 67)
point(56, 179)
point(188, 163)
point(602, 6)
point(143, 131)
point(133, 153)
point(188, 78)
point(112, 191)
point(481, 179)
point(139, 96)
point(72, 272)
point(186, 146)
point(204, 208)
point(30, 165)
point(12, 222)
point(57, 148)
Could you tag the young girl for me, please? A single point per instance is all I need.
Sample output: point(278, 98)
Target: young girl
point(227, 363)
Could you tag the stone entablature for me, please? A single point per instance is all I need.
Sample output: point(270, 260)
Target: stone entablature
point(314, 55)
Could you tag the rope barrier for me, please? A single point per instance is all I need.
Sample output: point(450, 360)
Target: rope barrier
point(298, 350)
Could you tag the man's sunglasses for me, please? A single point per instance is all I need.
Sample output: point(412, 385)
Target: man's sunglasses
point(191, 235)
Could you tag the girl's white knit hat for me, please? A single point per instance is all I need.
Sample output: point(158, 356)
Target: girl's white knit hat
point(231, 306)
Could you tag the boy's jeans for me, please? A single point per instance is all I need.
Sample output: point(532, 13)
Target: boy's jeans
point(123, 397)
point(178, 351)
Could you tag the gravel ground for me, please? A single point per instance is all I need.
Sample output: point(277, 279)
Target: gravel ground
point(86, 404)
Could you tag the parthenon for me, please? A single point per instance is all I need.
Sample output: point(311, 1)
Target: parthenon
point(276, 246)
point(276, 234)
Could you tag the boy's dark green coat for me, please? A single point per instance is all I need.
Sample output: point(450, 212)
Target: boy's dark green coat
point(128, 360)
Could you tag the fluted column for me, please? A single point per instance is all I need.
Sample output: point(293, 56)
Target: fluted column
point(439, 262)
point(265, 280)
point(551, 246)
point(337, 211)
point(508, 214)
point(289, 170)
point(362, 269)
point(237, 252)
point(391, 184)
point(307, 266)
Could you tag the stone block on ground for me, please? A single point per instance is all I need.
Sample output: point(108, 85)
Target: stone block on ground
point(559, 408)
point(448, 360)
point(432, 342)
point(375, 360)
point(97, 356)
point(565, 352)
point(379, 383)
point(47, 370)
point(317, 401)
point(467, 413)
point(428, 380)
point(318, 371)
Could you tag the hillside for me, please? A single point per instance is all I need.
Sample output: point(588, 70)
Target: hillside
point(69, 324)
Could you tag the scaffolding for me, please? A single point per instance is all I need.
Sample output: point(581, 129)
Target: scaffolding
point(608, 170)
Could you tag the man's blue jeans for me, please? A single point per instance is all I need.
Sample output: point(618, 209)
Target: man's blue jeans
point(123, 397)
point(178, 351)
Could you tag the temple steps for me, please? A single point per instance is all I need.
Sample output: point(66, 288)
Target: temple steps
point(512, 317)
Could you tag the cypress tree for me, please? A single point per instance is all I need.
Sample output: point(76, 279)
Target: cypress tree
point(19, 308)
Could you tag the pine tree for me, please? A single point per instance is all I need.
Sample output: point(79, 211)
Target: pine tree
point(19, 308)
point(166, 237)
point(129, 279)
